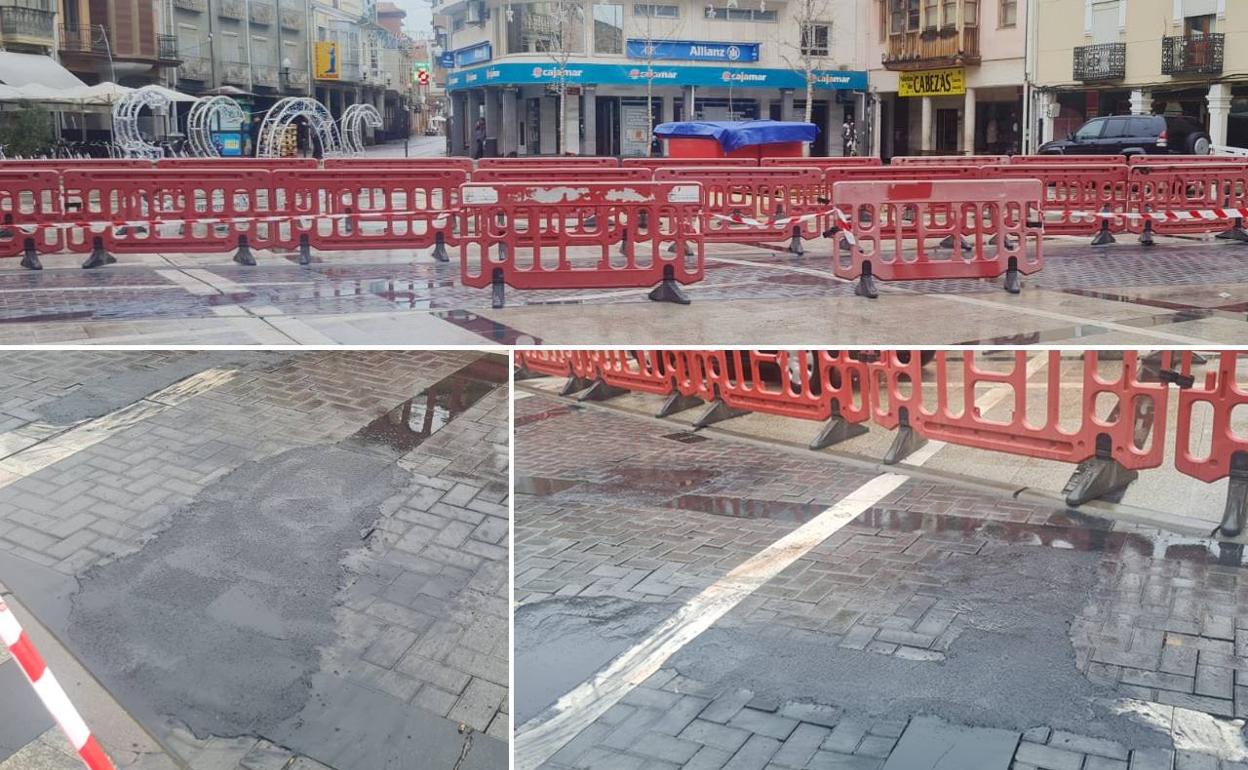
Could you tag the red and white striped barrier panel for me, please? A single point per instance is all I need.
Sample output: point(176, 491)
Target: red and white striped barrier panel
point(570, 161)
point(948, 160)
point(50, 691)
point(987, 229)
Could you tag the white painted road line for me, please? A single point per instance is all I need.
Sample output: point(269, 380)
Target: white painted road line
point(58, 446)
point(541, 737)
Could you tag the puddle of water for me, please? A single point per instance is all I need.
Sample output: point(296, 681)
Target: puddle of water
point(406, 426)
point(541, 487)
point(659, 479)
point(686, 437)
point(744, 508)
point(558, 411)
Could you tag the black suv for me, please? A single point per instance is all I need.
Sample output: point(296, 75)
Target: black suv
point(1133, 135)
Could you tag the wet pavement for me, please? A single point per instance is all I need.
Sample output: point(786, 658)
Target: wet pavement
point(945, 625)
point(268, 557)
point(1183, 291)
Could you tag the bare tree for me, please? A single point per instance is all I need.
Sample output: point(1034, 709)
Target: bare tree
point(555, 32)
point(811, 52)
point(650, 49)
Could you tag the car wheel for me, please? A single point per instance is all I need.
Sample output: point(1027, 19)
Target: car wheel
point(1198, 144)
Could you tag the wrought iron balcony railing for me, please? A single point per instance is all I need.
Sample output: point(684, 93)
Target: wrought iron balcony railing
point(262, 75)
point(83, 38)
point(1181, 55)
point(32, 25)
point(197, 68)
point(1104, 61)
point(167, 48)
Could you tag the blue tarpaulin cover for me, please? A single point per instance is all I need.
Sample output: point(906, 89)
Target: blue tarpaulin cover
point(734, 134)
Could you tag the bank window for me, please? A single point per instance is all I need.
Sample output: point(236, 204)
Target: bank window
point(546, 27)
point(815, 39)
point(608, 28)
point(656, 11)
point(1009, 13)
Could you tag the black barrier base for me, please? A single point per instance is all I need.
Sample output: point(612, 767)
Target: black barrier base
point(836, 430)
point(244, 256)
point(1146, 237)
point(527, 374)
point(669, 290)
point(717, 411)
point(574, 384)
point(439, 248)
point(1097, 477)
point(1235, 233)
point(795, 243)
point(1236, 511)
point(1013, 280)
point(305, 250)
point(905, 443)
point(497, 290)
point(601, 391)
point(590, 222)
point(30, 257)
point(677, 403)
point(99, 256)
point(831, 232)
point(866, 286)
point(688, 249)
point(947, 243)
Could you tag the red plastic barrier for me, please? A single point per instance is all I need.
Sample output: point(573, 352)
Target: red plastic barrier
point(806, 384)
point(73, 165)
point(832, 161)
point(948, 160)
point(653, 163)
point(1072, 192)
point(1048, 160)
point(534, 175)
point(768, 198)
point(248, 163)
point(892, 224)
point(560, 235)
point(591, 161)
point(900, 173)
point(1223, 392)
point(1166, 160)
point(1127, 408)
point(1187, 187)
point(415, 164)
point(648, 371)
point(141, 211)
point(556, 363)
point(30, 202)
point(342, 209)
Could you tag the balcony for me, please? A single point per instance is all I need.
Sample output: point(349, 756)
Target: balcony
point(167, 49)
point(261, 13)
point(195, 68)
point(295, 80)
point(26, 26)
point(1192, 55)
point(1105, 61)
point(932, 48)
point(265, 76)
point(235, 73)
point(230, 9)
point(291, 18)
point(196, 6)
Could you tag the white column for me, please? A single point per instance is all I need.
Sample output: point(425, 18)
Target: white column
point(572, 117)
point(786, 104)
point(877, 117)
point(668, 108)
point(1047, 105)
point(1141, 101)
point(493, 118)
point(1219, 99)
point(590, 105)
point(968, 123)
point(832, 126)
point(925, 126)
point(509, 140)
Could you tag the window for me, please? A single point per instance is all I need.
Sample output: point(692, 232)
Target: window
point(260, 51)
point(656, 11)
point(903, 16)
point(912, 15)
point(724, 13)
point(931, 14)
point(608, 28)
point(950, 11)
point(815, 39)
point(1144, 127)
point(1196, 27)
point(1009, 13)
point(970, 15)
point(540, 28)
point(1090, 130)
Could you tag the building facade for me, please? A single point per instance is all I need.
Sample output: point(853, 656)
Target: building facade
point(615, 60)
point(1173, 57)
point(947, 76)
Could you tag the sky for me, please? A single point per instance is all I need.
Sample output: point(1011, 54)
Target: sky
point(419, 17)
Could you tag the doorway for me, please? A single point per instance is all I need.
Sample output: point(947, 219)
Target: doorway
point(947, 131)
point(607, 117)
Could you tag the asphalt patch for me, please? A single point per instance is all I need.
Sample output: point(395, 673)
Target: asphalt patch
point(218, 620)
point(22, 717)
point(101, 396)
point(1012, 668)
point(562, 642)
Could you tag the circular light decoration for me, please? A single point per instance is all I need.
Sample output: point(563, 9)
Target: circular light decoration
point(284, 114)
point(206, 111)
point(352, 124)
point(126, 121)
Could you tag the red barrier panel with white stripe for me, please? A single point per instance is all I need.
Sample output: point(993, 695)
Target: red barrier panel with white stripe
point(653, 163)
point(948, 160)
point(828, 162)
point(556, 363)
point(1048, 160)
point(30, 207)
point(563, 235)
point(990, 228)
point(1198, 198)
point(648, 371)
point(590, 161)
point(1073, 193)
point(50, 692)
point(526, 175)
point(1222, 392)
point(411, 164)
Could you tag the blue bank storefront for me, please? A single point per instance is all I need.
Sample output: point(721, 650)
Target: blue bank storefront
point(607, 101)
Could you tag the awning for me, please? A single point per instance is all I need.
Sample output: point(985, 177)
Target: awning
point(21, 69)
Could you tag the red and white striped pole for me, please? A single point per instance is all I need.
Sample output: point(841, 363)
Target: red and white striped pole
point(50, 692)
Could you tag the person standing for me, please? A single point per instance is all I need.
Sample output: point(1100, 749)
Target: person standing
point(848, 136)
point(478, 136)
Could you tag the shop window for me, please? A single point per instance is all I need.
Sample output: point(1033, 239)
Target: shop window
point(815, 39)
point(546, 27)
point(608, 28)
point(656, 11)
point(1009, 13)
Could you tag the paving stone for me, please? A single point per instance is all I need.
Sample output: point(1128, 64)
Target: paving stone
point(754, 755)
point(726, 706)
point(829, 760)
point(815, 713)
point(1190, 760)
point(1152, 759)
point(763, 723)
point(1048, 757)
point(667, 748)
point(718, 736)
point(1214, 681)
point(1104, 763)
point(846, 736)
point(1086, 745)
point(708, 758)
point(801, 745)
point(1038, 734)
point(932, 744)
